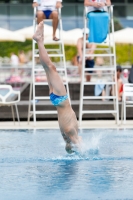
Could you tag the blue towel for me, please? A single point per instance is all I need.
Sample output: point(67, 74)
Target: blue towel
point(99, 88)
point(98, 25)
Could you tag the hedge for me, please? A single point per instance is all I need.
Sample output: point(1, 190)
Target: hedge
point(124, 52)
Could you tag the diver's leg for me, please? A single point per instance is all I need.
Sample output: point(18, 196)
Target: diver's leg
point(53, 76)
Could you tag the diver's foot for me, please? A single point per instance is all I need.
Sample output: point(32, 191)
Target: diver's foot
point(38, 35)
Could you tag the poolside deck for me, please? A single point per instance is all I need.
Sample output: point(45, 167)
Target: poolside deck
point(90, 124)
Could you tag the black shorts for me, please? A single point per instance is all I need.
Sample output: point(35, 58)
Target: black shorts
point(89, 64)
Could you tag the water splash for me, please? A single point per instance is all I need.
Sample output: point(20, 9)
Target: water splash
point(89, 147)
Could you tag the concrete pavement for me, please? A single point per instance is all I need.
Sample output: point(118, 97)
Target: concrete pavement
point(89, 124)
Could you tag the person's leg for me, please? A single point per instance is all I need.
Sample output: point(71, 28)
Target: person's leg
point(40, 16)
point(79, 64)
point(119, 84)
point(103, 94)
point(88, 78)
point(54, 79)
point(54, 17)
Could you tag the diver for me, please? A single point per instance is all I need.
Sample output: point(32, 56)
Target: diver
point(66, 116)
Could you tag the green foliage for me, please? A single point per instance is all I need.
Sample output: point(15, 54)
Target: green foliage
point(70, 52)
point(6, 48)
point(124, 52)
point(117, 25)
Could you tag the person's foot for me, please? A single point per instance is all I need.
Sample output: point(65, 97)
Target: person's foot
point(55, 38)
point(38, 35)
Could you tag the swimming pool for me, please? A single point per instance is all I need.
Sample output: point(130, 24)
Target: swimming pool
point(35, 166)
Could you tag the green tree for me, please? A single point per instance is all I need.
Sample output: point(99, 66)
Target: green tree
point(117, 25)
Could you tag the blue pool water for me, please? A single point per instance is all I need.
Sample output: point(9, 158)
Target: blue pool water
point(35, 166)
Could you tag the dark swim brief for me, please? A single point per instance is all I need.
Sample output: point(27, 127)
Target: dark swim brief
point(89, 64)
point(47, 13)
